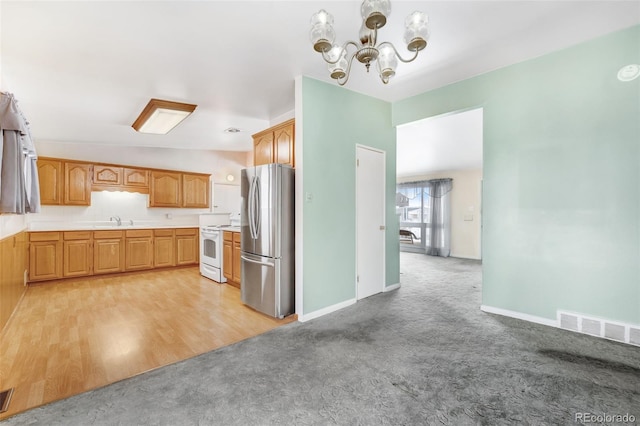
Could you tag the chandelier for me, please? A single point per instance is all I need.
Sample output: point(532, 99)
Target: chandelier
point(385, 55)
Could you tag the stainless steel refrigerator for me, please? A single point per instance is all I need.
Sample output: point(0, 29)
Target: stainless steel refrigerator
point(267, 224)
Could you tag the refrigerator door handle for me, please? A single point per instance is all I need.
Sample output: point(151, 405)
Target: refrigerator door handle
point(256, 261)
point(251, 208)
point(258, 201)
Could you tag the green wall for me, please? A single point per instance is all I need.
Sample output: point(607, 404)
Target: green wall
point(334, 121)
point(561, 192)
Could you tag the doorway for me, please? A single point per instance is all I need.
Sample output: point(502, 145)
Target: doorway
point(440, 147)
point(370, 221)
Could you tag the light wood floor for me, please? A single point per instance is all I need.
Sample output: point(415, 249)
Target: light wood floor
point(67, 337)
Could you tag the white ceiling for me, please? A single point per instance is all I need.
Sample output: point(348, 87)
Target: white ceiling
point(438, 144)
point(83, 70)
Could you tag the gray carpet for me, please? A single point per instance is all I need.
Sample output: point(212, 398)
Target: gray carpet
point(424, 354)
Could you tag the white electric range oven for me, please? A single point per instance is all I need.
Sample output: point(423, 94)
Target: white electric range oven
point(211, 253)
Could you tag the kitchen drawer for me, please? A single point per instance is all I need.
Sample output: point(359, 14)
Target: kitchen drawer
point(163, 232)
point(132, 233)
point(227, 235)
point(236, 237)
point(44, 236)
point(187, 231)
point(107, 234)
point(77, 235)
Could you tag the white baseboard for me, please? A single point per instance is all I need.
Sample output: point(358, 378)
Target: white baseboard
point(519, 315)
point(325, 311)
point(466, 257)
point(391, 287)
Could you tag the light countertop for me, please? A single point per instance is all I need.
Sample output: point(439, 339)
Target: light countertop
point(100, 226)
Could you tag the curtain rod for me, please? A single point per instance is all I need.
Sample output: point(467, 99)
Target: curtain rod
point(427, 180)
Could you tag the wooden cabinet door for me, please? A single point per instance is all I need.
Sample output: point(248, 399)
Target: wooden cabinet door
point(263, 149)
point(139, 253)
point(227, 255)
point(108, 252)
point(136, 178)
point(45, 256)
point(50, 177)
point(166, 189)
point(237, 260)
point(283, 144)
point(77, 184)
point(186, 246)
point(163, 248)
point(195, 191)
point(77, 254)
point(107, 175)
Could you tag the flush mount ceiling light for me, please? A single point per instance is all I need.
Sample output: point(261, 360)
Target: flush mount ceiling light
point(232, 130)
point(374, 16)
point(629, 72)
point(159, 116)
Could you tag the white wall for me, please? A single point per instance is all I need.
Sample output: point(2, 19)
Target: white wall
point(465, 210)
point(11, 224)
point(105, 204)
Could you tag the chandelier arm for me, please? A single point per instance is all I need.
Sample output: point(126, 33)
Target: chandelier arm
point(344, 47)
point(386, 43)
point(348, 72)
point(385, 80)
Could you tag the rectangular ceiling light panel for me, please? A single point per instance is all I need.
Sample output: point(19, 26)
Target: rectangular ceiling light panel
point(159, 116)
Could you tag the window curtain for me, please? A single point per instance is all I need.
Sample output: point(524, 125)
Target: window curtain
point(438, 224)
point(19, 189)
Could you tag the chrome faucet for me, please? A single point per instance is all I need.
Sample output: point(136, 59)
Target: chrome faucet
point(117, 219)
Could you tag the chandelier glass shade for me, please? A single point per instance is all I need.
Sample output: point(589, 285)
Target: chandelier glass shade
point(367, 50)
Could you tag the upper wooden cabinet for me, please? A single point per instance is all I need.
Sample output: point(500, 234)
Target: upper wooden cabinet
point(195, 191)
point(175, 189)
point(50, 175)
point(263, 148)
point(166, 189)
point(136, 178)
point(283, 143)
point(115, 178)
point(275, 145)
point(107, 175)
point(77, 184)
point(64, 182)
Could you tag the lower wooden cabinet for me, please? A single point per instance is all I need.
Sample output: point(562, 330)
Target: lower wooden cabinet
point(45, 256)
point(108, 252)
point(138, 249)
point(65, 254)
point(237, 259)
point(231, 260)
point(77, 254)
point(227, 255)
point(164, 248)
point(187, 246)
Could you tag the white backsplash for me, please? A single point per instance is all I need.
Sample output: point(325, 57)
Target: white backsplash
point(104, 204)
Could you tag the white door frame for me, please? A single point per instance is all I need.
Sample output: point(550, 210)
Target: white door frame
point(384, 219)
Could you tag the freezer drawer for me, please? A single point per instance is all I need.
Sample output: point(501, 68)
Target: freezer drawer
point(262, 287)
